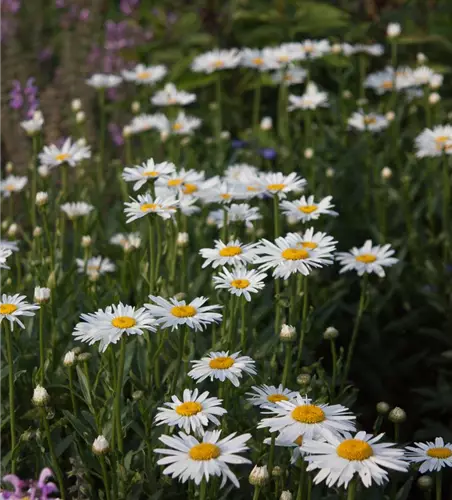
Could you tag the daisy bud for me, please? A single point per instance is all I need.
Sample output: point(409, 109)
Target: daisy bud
point(277, 471)
point(434, 97)
point(81, 142)
point(25, 437)
point(225, 134)
point(259, 476)
point(42, 198)
point(40, 396)
point(137, 395)
point(386, 173)
point(76, 105)
point(308, 153)
point(51, 281)
point(69, 358)
point(127, 131)
point(304, 379)
point(9, 282)
point(185, 141)
point(329, 172)
point(362, 102)
point(180, 296)
point(182, 239)
point(393, 30)
point(80, 117)
point(43, 171)
point(164, 135)
point(37, 232)
point(29, 278)
point(421, 58)
point(287, 333)
point(397, 415)
point(210, 221)
point(382, 407)
point(135, 107)
point(286, 495)
point(100, 445)
point(266, 123)
point(425, 482)
point(390, 115)
point(77, 350)
point(42, 294)
point(330, 333)
point(436, 81)
point(336, 48)
point(292, 220)
point(37, 115)
point(260, 232)
point(9, 168)
point(86, 241)
point(213, 106)
point(12, 230)
point(84, 356)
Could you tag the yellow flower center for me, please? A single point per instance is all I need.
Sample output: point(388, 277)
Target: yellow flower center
point(174, 182)
point(221, 363)
point(230, 251)
point(295, 254)
point(204, 451)
point(440, 142)
point(177, 126)
point(149, 206)
point(183, 311)
point(309, 244)
point(172, 100)
point(283, 58)
point(188, 409)
point(354, 449)
point(308, 48)
point(258, 61)
point(190, 188)
point(144, 75)
point(7, 308)
point(299, 441)
point(275, 398)
point(366, 258)
point(387, 84)
point(152, 173)
point(10, 187)
point(218, 64)
point(92, 267)
point(288, 78)
point(308, 414)
point(62, 157)
point(225, 196)
point(370, 120)
point(308, 209)
point(123, 322)
point(439, 452)
point(251, 188)
point(240, 283)
point(276, 187)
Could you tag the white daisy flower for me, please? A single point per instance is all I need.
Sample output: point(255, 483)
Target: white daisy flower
point(276, 183)
point(221, 192)
point(306, 209)
point(434, 142)
point(230, 254)
point(267, 395)
point(215, 60)
point(181, 179)
point(239, 171)
point(240, 281)
point(282, 56)
point(128, 242)
point(107, 327)
point(341, 457)
point(300, 417)
point(189, 458)
point(10, 245)
point(290, 76)
point(33, 125)
point(423, 75)
point(313, 49)
point(311, 99)
point(146, 122)
point(148, 170)
point(174, 313)
point(4, 254)
point(432, 456)
point(146, 204)
point(367, 259)
point(145, 75)
point(194, 412)
point(170, 96)
point(95, 266)
point(319, 240)
point(374, 49)
point(69, 153)
point(77, 209)
point(221, 366)
point(12, 184)
point(291, 254)
point(256, 59)
point(13, 306)
point(184, 124)
point(242, 212)
point(383, 81)
point(103, 81)
point(371, 121)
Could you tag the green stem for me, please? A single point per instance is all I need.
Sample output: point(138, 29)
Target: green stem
point(119, 381)
point(287, 363)
point(55, 466)
point(351, 490)
point(100, 167)
point(159, 248)
point(243, 323)
point(276, 214)
point(271, 457)
point(105, 477)
point(232, 324)
point(438, 486)
point(446, 207)
point(203, 490)
point(334, 362)
point(257, 491)
point(304, 321)
point(151, 255)
point(219, 121)
point(180, 354)
point(71, 388)
point(41, 345)
point(34, 180)
point(257, 103)
point(12, 410)
point(301, 480)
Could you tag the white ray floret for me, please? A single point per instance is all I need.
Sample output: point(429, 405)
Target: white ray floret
point(372, 122)
point(240, 281)
point(77, 209)
point(14, 306)
point(367, 259)
point(268, 395)
point(34, 124)
point(103, 81)
point(70, 153)
point(147, 171)
point(216, 60)
point(434, 142)
point(232, 253)
point(4, 254)
point(280, 184)
point(12, 184)
point(311, 99)
point(146, 204)
point(95, 266)
point(306, 209)
point(128, 241)
point(170, 96)
point(145, 75)
point(432, 455)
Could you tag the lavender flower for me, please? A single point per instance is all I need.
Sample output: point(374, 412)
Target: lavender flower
point(116, 134)
point(268, 153)
point(128, 6)
point(25, 98)
point(34, 490)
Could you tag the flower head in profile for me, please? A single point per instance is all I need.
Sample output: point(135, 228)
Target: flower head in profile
point(187, 180)
point(313, 49)
point(175, 313)
point(147, 122)
point(388, 80)
point(128, 242)
point(95, 266)
point(12, 184)
point(306, 209)
point(146, 205)
point(257, 59)
point(77, 209)
point(434, 142)
point(147, 171)
point(221, 366)
point(311, 99)
point(170, 96)
point(145, 75)
point(34, 124)
point(289, 76)
point(4, 254)
point(103, 81)
point(432, 455)
point(240, 281)
point(339, 458)
point(192, 413)
point(423, 75)
point(268, 395)
point(367, 259)
point(109, 325)
point(188, 458)
point(280, 184)
point(242, 212)
point(374, 49)
point(70, 153)
point(14, 306)
point(232, 253)
point(216, 60)
point(373, 122)
point(184, 124)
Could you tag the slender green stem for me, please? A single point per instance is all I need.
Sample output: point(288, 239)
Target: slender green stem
point(49, 241)
point(12, 409)
point(151, 255)
point(105, 477)
point(118, 395)
point(351, 490)
point(287, 362)
point(100, 167)
point(55, 465)
point(243, 323)
point(203, 490)
point(256, 493)
point(257, 103)
point(232, 323)
point(304, 322)
point(396, 432)
point(351, 348)
point(276, 214)
point(438, 486)
point(301, 480)
point(334, 368)
point(219, 121)
point(271, 457)
point(71, 388)
point(182, 339)
point(224, 230)
point(159, 248)
point(446, 207)
point(41, 345)
point(34, 180)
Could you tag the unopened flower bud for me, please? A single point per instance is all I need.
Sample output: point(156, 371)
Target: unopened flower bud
point(390, 115)
point(137, 395)
point(346, 94)
point(386, 173)
point(69, 358)
point(185, 141)
point(266, 123)
point(330, 333)
point(382, 407)
point(330, 172)
point(37, 232)
point(25, 437)
point(40, 396)
point(393, 30)
point(362, 101)
point(397, 415)
point(81, 142)
point(292, 220)
point(180, 296)
point(225, 134)
point(12, 230)
point(41, 295)
point(135, 107)
point(436, 81)
point(9, 167)
point(434, 98)
point(100, 445)
point(213, 106)
point(182, 239)
point(42, 198)
point(76, 105)
point(127, 131)
point(304, 379)
point(286, 495)
point(287, 333)
point(164, 135)
point(43, 171)
point(336, 48)
point(84, 356)
point(425, 482)
point(86, 241)
point(308, 153)
point(51, 281)
point(259, 476)
point(80, 117)
point(421, 58)
point(277, 471)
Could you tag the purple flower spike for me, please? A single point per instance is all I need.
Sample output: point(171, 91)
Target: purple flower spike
point(18, 485)
point(128, 6)
point(268, 153)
